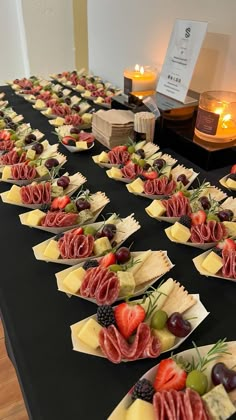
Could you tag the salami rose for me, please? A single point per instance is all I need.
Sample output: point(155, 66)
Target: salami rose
point(117, 157)
point(36, 194)
point(177, 206)
point(131, 170)
point(210, 231)
point(59, 219)
point(72, 245)
point(7, 145)
point(74, 120)
point(101, 284)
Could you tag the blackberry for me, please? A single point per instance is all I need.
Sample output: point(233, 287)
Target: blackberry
point(185, 221)
point(217, 251)
point(71, 143)
point(90, 264)
point(142, 177)
point(143, 390)
point(232, 176)
point(105, 315)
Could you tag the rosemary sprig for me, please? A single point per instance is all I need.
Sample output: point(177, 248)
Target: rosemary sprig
point(219, 348)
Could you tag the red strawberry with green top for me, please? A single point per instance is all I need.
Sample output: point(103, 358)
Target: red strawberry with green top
point(68, 141)
point(198, 218)
point(179, 194)
point(128, 317)
point(108, 260)
point(169, 376)
point(233, 169)
point(150, 175)
point(227, 245)
point(78, 231)
point(60, 202)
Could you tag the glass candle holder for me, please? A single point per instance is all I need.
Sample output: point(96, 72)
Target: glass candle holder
point(216, 117)
point(140, 79)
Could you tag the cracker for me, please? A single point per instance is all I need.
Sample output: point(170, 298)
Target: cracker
point(178, 300)
point(149, 149)
point(98, 201)
point(125, 228)
point(156, 265)
point(169, 159)
point(179, 170)
point(214, 192)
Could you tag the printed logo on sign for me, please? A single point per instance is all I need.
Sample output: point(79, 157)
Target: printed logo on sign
point(187, 32)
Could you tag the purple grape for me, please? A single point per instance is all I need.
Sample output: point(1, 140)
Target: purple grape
point(141, 153)
point(76, 108)
point(109, 231)
point(67, 101)
point(225, 215)
point(159, 163)
point(122, 255)
point(82, 204)
point(178, 326)
point(51, 163)
point(63, 182)
point(205, 203)
point(221, 374)
point(74, 130)
point(38, 147)
point(182, 178)
point(30, 138)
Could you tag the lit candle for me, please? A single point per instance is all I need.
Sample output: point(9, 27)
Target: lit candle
point(216, 119)
point(140, 79)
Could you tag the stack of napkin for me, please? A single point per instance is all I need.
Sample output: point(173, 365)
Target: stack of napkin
point(113, 127)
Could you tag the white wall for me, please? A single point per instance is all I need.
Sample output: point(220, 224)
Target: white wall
point(126, 32)
point(13, 62)
point(49, 34)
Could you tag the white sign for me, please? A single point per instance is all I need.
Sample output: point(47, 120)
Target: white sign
point(182, 53)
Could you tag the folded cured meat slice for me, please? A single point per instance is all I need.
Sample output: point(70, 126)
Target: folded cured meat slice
point(23, 171)
point(117, 157)
point(229, 263)
point(179, 405)
point(74, 120)
point(6, 145)
point(116, 348)
point(61, 110)
point(210, 231)
point(36, 194)
point(88, 137)
point(72, 245)
point(177, 206)
point(59, 219)
point(159, 186)
point(131, 170)
point(101, 284)
point(12, 158)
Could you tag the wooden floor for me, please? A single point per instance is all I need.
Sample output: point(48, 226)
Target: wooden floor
point(12, 406)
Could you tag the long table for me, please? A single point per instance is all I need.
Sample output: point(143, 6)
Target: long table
point(57, 382)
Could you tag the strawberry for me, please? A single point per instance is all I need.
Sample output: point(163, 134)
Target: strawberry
point(60, 202)
point(233, 169)
point(179, 194)
point(169, 376)
point(150, 175)
point(128, 317)
point(108, 260)
point(4, 135)
point(227, 245)
point(78, 231)
point(68, 140)
point(198, 218)
point(120, 148)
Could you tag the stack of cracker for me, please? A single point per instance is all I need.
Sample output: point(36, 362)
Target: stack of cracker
point(112, 128)
point(144, 122)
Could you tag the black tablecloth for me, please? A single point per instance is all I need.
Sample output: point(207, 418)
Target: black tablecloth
point(57, 382)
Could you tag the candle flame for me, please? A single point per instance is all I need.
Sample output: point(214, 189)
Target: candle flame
point(141, 70)
point(136, 67)
point(227, 121)
point(218, 111)
point(227, 117)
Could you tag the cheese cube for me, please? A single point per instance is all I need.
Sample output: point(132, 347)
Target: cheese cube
point(82, 145)
point(45, 144)
point(39, 104)
point(103, 157)
point(34, 217)
point(99, 100)
point(231, 183)
point(140, 410)
point(180, 232)
point(218, 403)
point(48, 111)
point(52, 250)
point(114, 173)
point(137, 186)
point(89, 333)
point(58, 122)
point(166, 338)
point(14, 194)
point(42, 170)
point(101, 245)
point(231, 228)
point(87, 118)
point(127, 283)
point(156, 209)
point(30, 154)
point(79, 88)
point(74, 280)
point(87, 94)
point(212, 263)
point(6, 173)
